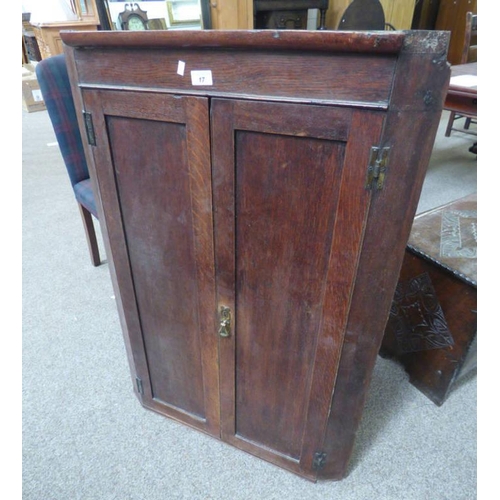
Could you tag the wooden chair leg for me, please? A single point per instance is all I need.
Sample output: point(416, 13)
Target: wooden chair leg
point(450, 124)
point(88, 224)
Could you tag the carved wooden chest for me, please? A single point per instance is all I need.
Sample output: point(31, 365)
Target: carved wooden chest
point(432, 325)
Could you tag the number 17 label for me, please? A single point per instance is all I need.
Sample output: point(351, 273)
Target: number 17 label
point(202, 77)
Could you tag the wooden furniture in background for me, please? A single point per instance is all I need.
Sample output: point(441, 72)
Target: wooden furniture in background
point(239, 14)
point(133, 18)
point(243, 198)
point(458, 94)
point(287, 14)
point(461, 98)
point(425, 14)
point(31, 46)
point(469, 50)
point(363, 15)
point(104, 15)
point(398, 14)
point(26, 17)
point(452, 17)
point(31, 52)
point(157, 24)
point(47, 33)
point(25, 54)
point(432, 327)
point(86, 10)
point(231, 14)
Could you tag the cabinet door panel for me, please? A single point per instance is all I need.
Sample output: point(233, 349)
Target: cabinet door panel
point(285, 213)
point(155, 173)
point(290, 212)
point(155, 202)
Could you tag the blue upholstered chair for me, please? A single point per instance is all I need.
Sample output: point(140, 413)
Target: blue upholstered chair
point(54, 83)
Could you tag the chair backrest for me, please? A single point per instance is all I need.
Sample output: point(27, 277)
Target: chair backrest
point(469, 52)
point(53, 79)
point(363, 15)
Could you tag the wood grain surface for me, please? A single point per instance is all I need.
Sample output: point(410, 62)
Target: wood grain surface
point(250, 194)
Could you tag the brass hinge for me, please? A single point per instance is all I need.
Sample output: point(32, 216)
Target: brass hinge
point(89, 127)
point(140, 386)
point(319, 460)
point(377, 168)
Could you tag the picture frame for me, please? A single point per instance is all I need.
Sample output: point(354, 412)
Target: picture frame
point(183, 12)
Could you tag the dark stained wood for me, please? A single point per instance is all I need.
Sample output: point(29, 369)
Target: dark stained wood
point(132, 357)
point(160, 161)
point(116, 249)
point(245, 73)
point(304, 255)
point(222, 125)
point(90, 235)
point(284, 224)
point(275, 40)
point(298, 121)
point(411, 120)
point(432, 331)
point(448, 236)
point(153, 201)
point(349, 231)
point(290, 272)
point(435, 371)
point(123, 289)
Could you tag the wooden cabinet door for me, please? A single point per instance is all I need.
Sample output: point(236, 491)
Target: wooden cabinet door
point(290, 210)
point(152, 159)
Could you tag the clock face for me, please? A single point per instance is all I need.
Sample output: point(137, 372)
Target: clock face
point(135, 23)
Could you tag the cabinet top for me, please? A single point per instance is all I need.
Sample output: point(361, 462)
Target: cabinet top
point(362, 69)
point(287, 40)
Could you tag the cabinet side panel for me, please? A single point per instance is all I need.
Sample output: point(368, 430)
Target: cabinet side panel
point(286, 195)
point(153, 187)
point(410, 128)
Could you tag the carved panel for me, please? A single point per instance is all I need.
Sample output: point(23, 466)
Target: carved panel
point(459, 234)
point(417, 318)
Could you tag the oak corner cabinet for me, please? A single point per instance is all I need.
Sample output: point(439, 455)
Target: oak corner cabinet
point(256, 192)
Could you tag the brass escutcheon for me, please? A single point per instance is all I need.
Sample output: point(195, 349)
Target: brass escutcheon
point(225, 322)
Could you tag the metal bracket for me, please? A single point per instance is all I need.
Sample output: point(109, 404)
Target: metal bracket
point(375, 175)
point(140, 386)
point(319, 460)
point(89, 127)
